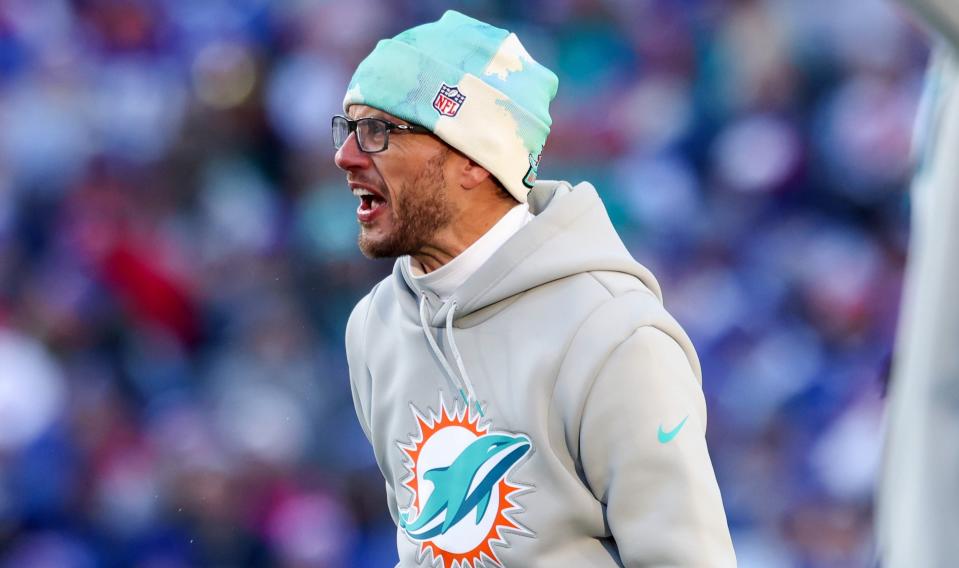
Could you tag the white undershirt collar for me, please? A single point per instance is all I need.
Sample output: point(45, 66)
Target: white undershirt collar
point(446, 279)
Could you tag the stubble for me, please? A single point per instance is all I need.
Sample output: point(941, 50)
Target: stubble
point(419, 211)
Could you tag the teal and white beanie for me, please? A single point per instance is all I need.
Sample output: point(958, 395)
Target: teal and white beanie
point(473, 85)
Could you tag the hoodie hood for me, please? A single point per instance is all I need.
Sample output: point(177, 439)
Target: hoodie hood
point(571, 234)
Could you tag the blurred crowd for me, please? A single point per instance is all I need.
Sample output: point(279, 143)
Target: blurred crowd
point(178, 260)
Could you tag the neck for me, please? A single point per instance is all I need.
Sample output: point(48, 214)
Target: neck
point(459, 235)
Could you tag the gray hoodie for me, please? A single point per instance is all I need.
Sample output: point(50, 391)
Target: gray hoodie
point(550, 413)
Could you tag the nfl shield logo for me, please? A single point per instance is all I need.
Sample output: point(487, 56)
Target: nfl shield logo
point(448, 100)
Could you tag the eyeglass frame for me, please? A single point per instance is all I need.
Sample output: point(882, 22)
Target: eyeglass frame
point(351, 126)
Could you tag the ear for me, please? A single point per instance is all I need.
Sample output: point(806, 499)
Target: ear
point(472, 174)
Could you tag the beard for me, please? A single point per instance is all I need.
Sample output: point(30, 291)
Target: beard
point(419, 210)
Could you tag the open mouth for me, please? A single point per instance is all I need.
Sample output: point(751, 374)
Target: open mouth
point(371, 203)
point(368, 199)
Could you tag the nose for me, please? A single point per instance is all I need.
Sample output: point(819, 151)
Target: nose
point(350, 157)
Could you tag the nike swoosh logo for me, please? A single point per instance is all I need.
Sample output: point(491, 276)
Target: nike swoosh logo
point(667, 436)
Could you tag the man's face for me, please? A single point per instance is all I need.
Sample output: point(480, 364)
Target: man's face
point(402, 190)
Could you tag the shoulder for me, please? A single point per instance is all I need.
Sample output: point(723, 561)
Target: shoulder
point(627, 302)
point(356, 324)
point(630, 307)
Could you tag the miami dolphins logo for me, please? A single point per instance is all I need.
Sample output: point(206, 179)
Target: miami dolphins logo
point(462, 498)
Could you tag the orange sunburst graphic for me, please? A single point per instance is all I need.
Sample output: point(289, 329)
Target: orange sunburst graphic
point(441, 439)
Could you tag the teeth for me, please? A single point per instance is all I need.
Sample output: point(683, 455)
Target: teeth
point(360, 192)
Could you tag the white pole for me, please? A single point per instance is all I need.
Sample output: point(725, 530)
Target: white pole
point(918, 501)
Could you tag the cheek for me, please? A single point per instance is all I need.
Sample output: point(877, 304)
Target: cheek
point(390, 178)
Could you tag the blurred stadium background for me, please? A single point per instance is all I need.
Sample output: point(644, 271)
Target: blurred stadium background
point(178, 260)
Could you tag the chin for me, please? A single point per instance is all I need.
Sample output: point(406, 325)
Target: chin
point(382, 247)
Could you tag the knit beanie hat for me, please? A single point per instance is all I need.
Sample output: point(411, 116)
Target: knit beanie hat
point(471, 84)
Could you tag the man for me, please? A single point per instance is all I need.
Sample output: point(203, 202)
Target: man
point(529, 400)
point(918, 510)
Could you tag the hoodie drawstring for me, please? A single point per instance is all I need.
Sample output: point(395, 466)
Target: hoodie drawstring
point(470, 395)
point(459, 360)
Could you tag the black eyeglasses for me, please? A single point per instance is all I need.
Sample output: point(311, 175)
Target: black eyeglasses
point(372, 134)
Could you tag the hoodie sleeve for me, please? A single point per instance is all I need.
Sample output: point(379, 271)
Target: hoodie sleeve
point(644, 454)
point(360, 380)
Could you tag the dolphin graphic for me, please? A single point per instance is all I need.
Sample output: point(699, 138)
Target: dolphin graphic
point(451, 484)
